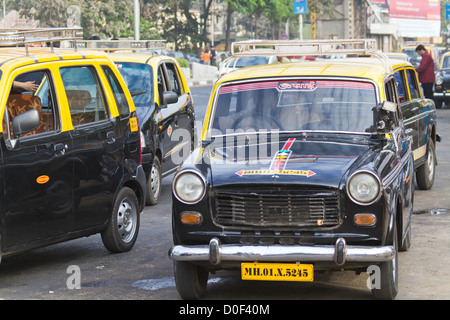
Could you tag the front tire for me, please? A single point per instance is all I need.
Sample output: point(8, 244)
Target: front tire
point(154, 183)
point(191, 280)
point(426, 172)
point(388, 286)
point(123, 226)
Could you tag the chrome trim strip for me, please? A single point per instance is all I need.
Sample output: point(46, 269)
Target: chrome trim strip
point(215, 253)
point(390, 177)
point(418, 117)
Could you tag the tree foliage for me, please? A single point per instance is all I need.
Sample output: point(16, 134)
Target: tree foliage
point(181, 22)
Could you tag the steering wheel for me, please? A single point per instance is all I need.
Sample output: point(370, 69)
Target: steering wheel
point(265, 117)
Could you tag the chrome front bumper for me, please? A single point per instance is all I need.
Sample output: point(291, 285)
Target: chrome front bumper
point(340, 253)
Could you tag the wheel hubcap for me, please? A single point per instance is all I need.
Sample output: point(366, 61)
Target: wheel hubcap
point(126, 220)
point(430, 162)
point(154, 181)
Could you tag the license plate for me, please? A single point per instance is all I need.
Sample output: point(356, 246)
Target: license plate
point(277, 271)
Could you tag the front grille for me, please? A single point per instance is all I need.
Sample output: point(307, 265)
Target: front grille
point(277, 208)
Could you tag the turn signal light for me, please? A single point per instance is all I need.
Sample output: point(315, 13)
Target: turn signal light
point(365, 219)
point(191, 218)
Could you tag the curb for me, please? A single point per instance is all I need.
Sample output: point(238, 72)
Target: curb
point(193, 83)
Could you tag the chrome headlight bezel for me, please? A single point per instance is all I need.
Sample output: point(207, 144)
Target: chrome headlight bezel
point(199, 182)
point(439, 79)
point(372, 180)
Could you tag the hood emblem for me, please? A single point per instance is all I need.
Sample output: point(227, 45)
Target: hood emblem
point(278, 165)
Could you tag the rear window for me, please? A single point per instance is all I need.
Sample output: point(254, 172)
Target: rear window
point(295, 105)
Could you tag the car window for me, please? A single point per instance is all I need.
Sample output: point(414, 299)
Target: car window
point(119, 96)
point(414, 88)
point(173, 78)
point(294, 105)
point(401, 86)
point(32, 90)
point(251, 61)
point(139, 80)
point(445, 62)
point(84, 94)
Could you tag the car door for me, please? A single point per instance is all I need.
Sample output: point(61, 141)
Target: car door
point(409, 107)
point(422, 114)
point(38, 166)
point(177, 119)
point(96, 147)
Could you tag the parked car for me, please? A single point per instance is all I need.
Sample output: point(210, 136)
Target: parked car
point(165, 111)
point(442, 83)
point(420, 122)
point(192, 57)
point(233, 63)
point(303, 167)
point(70, 148)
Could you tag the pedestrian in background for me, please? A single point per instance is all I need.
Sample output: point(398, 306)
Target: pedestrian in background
point(426, 71)
point(206, 57)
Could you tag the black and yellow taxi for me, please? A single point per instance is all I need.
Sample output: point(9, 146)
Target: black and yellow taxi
point(303, 167)
point(420, 121)
point(69, 146)
point(163, 104)
point(165, 110)
point(442, 83)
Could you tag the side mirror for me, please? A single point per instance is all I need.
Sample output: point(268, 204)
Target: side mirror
point(169, 97)
point(25, 122)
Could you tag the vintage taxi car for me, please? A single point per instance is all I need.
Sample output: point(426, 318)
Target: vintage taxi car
point(163, 104)
point(442, 83)
point(303, 167)
point(70, 146)
point(420, 121)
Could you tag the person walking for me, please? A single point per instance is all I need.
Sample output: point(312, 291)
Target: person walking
point(426, 71)
point(206, 57)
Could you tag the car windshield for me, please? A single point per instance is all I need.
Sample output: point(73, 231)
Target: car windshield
point(139, 79)
point(295, 105)
point(251, 61)
point(446, 62)
point(412, 54)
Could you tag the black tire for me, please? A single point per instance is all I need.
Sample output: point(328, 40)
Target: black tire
point(154, 183)
point(438, 103)
point(123, 226)
point(426, 172)
point(388, 286)
point(190, 279)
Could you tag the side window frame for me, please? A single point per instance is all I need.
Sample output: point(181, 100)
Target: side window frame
point(413, 84)
point(119, 95)
point(100, 92)
point(172, 71)
point(402, 86)
point(51, 121)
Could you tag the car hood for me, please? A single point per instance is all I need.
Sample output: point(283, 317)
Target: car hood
point(288, 161)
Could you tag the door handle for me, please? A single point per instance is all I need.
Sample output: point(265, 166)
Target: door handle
point(60, 149)
point(110, 137)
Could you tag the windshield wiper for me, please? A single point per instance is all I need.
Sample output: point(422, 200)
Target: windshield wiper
point(136, 93)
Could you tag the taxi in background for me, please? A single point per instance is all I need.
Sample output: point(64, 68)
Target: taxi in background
point(442, 82)
point(420, 120)
point(415, 58)
point(304, 167)
point(69, 146)
point(163, 104)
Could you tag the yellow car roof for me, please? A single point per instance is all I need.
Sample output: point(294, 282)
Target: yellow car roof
point(365, 68)
point(17, 56)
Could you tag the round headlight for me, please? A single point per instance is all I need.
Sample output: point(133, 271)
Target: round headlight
point(189, 187)
point(439, 79)
point(363, 188)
